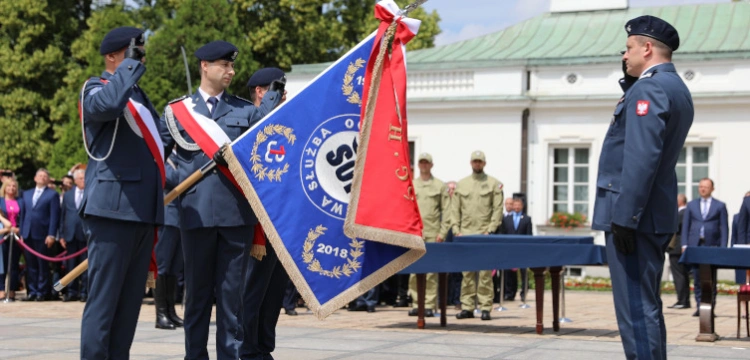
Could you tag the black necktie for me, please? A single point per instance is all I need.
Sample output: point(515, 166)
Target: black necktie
point(212, 100)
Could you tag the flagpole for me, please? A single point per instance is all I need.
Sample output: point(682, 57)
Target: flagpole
point(179, 189)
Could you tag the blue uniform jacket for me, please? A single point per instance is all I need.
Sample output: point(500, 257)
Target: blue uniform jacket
point(637, 184)
point(127, 185)
point(715, 225)
point(733, 238)
point(70, 222)
point(214, 201)
point(743, 222)
point(41, 220)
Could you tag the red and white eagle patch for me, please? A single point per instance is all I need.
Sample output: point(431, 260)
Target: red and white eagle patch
point(641, 108)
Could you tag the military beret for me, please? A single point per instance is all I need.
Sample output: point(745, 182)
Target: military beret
point(119, 38)
point(425, 156)
point(654, 28)
point(264, 77)
point(217, 50)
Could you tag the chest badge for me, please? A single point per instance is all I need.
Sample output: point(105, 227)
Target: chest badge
point(641, 108)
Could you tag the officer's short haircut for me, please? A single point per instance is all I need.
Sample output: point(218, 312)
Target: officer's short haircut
point(682, 198)
point(659, 46)
point(747, 194)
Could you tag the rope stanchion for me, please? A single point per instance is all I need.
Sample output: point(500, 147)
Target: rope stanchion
point(57, 258)
point(9, 273)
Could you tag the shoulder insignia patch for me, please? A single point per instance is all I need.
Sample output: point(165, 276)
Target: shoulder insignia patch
point(183, 97)
point(642, 107)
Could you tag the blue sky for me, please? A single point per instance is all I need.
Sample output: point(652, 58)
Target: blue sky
point(470, 18)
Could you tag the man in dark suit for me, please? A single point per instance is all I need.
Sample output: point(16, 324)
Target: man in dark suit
point(41, 218)
point(71, 235)
point(742, 230)
point(124, 199)
point(515, 223)
point(636, 187)
point(740, 222)
point(705, 224)
point(680, 272)
point(216, 221)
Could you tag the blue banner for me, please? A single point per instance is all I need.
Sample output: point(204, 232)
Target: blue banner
point(296, 168)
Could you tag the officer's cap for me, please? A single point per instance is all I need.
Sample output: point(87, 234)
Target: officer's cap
point(425, 156)
point(654, 28)
point(477, 155)
point(265, 77)
point(217, 50)
point(119, 38)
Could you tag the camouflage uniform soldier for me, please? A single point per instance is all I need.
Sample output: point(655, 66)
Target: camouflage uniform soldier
point(477, 208)
point(434, 206)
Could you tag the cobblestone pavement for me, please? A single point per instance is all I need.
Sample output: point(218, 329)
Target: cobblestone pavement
point(50, 330)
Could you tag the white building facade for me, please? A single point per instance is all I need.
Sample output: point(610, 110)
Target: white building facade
point(538, 98)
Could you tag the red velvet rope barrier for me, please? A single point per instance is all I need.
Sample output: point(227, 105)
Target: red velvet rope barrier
point(47, 258)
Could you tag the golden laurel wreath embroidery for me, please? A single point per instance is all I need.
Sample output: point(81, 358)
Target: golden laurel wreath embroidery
point(352, 264)
point(348, 88)
point(261, 171)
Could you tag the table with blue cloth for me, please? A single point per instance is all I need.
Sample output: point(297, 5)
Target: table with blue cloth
point(708, 260)
point(486, 252)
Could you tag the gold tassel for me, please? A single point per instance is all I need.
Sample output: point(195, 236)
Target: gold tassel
point(151, 280)
point(258, 251)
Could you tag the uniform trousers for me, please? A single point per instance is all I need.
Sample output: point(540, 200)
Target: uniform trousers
point(169, 251)
point(119, 255)
point(636, 284)
point(265, 282)
point(215, 259)
point(471, 289)
point(79, 285)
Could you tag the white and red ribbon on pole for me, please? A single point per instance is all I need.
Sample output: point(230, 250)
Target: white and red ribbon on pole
point(388, 12)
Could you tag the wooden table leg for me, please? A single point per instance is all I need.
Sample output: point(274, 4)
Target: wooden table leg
point(706, 307)
point(539, 286)
point(554, 272)
point(421, 289)
point(443, 290)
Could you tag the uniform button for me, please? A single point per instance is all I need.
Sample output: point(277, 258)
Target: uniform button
point(610, 185)
point(635, 218)
point(214, 171)
point(130, 67)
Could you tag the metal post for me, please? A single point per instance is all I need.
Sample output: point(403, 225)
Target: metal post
point(563, 319)
point(524, 305)
point(502, 291)
point(8, 274)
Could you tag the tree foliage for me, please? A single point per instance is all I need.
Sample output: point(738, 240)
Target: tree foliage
point(49, 49)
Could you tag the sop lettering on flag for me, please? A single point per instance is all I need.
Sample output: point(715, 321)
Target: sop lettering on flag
point(299, 169)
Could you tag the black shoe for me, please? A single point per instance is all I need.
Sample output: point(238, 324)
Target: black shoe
point(413, 312)
point(401, 303)
point(291, 312)
point(83, 298)
point(678, 306)
point(486, 315)
point(30, 298)
point(465, 314)
point(160, 300)
point(67, 298)
point(429, 313)
point(371, 309)
point(39, 299)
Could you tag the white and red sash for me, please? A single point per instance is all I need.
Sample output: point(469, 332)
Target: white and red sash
point(144, 124)
point(206, 133)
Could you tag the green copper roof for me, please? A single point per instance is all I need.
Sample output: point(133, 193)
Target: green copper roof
point(707, 31)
